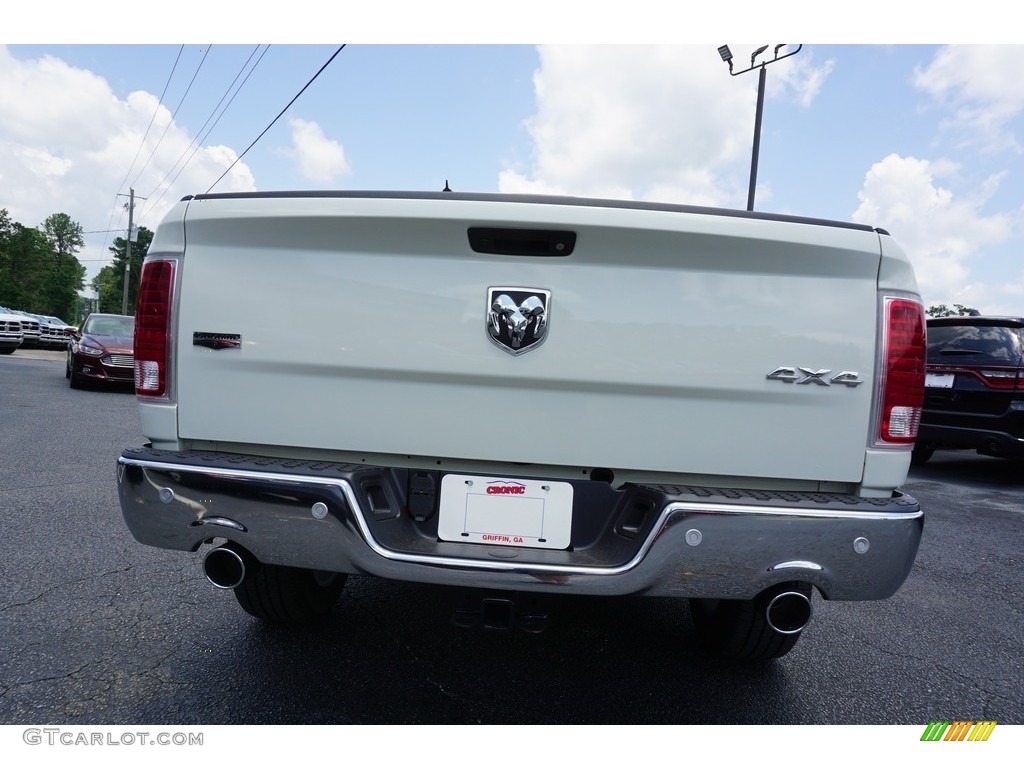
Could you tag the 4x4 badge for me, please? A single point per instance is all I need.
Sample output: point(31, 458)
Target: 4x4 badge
point(517, 318)
point(811, 376)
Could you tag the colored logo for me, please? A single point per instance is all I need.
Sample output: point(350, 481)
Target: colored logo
point(497, 487)
point(958, 730)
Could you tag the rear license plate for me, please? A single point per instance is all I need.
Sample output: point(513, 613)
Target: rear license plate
point(505, 511)
point(939, 380)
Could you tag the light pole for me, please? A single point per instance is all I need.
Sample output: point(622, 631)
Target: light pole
point(726, 55)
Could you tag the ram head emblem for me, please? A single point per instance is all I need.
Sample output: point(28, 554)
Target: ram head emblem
point(517, 318)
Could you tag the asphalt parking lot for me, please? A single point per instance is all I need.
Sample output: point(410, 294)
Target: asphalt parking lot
point(99, 629)
point(40, 354)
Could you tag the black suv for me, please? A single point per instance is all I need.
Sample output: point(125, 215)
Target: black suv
point(974, 387)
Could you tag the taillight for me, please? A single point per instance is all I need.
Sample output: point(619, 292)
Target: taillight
point(1002, 379)
point(152, 328)
point(902, 385)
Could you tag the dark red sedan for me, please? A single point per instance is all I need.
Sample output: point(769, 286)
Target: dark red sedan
point(101, 351)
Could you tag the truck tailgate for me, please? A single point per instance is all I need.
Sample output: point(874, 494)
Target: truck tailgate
point(363, 326)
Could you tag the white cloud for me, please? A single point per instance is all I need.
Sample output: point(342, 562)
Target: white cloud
point(940, 231)
point(320, 159)
point(515, 182)
point(42, 97)
point(801, 79)
point(42, 163)
point(982, 83)
point(647, 122)
point(985, 73)
point(67, 143)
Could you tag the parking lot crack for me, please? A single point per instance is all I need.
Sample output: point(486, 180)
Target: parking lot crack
point(63, 585)
point(979, 684)
point(41, 595)
point(49, 679)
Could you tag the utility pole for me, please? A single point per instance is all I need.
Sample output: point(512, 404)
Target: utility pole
point(128, 248)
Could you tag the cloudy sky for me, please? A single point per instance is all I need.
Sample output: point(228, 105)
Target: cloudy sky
point(923, 140)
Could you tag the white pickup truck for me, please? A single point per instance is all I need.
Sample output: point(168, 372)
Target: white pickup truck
point(518, 394)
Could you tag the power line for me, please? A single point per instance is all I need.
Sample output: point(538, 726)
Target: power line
point(198, 141)
point(200, 136)
point(156, 110)
point(206, 52)
point(333, 55)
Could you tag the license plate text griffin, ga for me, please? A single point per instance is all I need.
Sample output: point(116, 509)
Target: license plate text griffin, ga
point(505, 511)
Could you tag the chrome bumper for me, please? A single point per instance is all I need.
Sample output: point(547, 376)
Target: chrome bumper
point(692, 542)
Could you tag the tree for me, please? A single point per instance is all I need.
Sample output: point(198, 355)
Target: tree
point(941, 310)
point(39, 271)
point(65, 238)
point(109, 285)
point(6, 226)
point(60, 296)
point(6, 276)
point(24, 267)
point(64, 234)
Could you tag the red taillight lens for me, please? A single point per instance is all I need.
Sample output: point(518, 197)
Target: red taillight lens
point(152, 328)
point(903, 374)
point(1002, 379)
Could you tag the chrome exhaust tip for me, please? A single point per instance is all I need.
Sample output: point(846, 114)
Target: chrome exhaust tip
point(788, 612)
point(225, 566)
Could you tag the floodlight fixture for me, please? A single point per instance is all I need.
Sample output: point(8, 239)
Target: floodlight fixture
point(777, 55)
point(726, 55)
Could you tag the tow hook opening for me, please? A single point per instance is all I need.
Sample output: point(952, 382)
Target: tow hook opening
point(226, 566)
point(788, 611)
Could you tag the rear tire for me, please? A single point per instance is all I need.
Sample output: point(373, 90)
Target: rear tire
point(739, 629)
point(283, 595)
